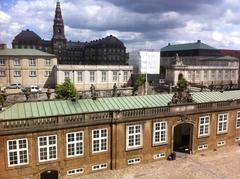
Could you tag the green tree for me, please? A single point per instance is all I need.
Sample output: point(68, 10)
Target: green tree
point(139, 82)
point(66, 90)
point(182, 84)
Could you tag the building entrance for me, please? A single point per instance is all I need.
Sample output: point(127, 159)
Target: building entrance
point(50, 174)
point(183, 138)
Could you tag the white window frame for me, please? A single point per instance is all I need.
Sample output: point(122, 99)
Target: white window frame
point(238, 120)
point(16, 62)
point(202, 146)
point(101, 166)
point(17, 73)
point(114, 75)
point(66, 74)
point(47, 146)
point(104, 76)
point(2, 73)
point(48, 62)
point(134, 161)
point(134, 135)
point(32, 62)
point(100, 140)
point(224, 122)
point(205, 126)
point(159, 155)
point(32, 73)
point(92, 76)
point(2, 61)
point(18, 151)
point(75, 171)
point(75, 142)
point(47, 73)
point(125, 76)
point(159, 132)
point(80, 76)
point(221, 143)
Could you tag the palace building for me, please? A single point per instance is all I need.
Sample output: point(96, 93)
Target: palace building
point(108, 51)
point(58, 139)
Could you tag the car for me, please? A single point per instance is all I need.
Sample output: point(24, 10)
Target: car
point(35, 89)
point(14, 86)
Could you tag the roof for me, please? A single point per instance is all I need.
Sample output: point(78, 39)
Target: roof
point(67, 107)
point(234, 53)
point(223, 58)
point(187, 46)
point(27, 35)
point(109, 41)
point(24, 52)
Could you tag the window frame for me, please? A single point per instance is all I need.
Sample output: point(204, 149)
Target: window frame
point(99, 139)
point(134, 134)
point(47, 146)
point(92, 76)
point(114, 76)
point(2, 62)
point(125, 76)
point(16, 62)
point(32, 62)
point(160, 142)
point(222, 131)
point(80, 77)
point(104, 77)
point(204, 134)
point(17, 75)
point(75, 143)
point(48, 62)
point(33, 73)
point(18, 152)
point(238, 120)
point(2, 73)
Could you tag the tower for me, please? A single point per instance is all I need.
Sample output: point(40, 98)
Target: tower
point(58, 39)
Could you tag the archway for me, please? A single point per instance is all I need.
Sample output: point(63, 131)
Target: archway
point(50, 174)
point(183, 137)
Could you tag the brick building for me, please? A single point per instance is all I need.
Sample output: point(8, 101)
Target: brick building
point(58, 139)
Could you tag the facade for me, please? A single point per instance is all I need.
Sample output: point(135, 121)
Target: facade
point(191, 53)
point(107, 51)
point(145, 61)
point(58, 139)
point(221, 70)
point(101, 76)
point(27, 67)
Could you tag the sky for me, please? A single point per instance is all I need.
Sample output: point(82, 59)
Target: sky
point(140, 24)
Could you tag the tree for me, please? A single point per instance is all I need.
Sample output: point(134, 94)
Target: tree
point(139, 82)
point(66, 90)
point(182, 84)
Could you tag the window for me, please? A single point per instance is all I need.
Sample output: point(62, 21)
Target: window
point(80, 76)
point(17, 152)
point(99, 140)
point(32, 73)
point(134, 161)
point(159, 155)
point(99, 166)
point(47, 148)
point(213, 74)
point(2, 73)
point(16, 62)
point(204, 126)
point(32, 62)
point(222, 123)
point(75, 171)
point(125, 76)
point(238, 120)
point(159, 132)
point(2, 61)
point(47, 61)
point(115, 76)
point(233, 75)
point(237, 138)
point(104, 76)
point(221, 143)
point(220, 75)
point(67, 74)
point(198, 75)
point(92, 76)
point(17, 73)
point(134, 136)
point(75, 144)
point(203, 147)
point(205, 75)
point(47, 73)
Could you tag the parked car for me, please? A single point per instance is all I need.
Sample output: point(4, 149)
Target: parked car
point(35, 89)
point(14, 86)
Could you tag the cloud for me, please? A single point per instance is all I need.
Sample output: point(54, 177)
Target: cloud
point(140, 24)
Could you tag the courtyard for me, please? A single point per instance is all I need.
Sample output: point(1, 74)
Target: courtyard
point(224, 163)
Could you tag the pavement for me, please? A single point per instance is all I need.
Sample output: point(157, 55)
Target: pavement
point(221, 164)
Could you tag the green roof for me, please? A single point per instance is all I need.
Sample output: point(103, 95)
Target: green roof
point(187, 46)
point(24, 52)
point(68, 107)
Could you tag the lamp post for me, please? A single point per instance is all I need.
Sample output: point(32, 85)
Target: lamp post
point(146, 77)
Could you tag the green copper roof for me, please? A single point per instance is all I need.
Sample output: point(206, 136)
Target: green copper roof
point(24, 52)
point(187, 46)
point(67, 107)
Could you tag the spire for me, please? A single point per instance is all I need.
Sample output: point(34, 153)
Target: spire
point(58, 26)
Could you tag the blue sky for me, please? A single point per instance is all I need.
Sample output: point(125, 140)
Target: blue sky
point(140, 24)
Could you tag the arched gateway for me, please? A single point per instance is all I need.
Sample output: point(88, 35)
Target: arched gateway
point(50, 174)
point(183, 134)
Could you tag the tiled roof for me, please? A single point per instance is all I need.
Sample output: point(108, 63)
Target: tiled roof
point(187, 46)
point(67, 107)
point(24, 52)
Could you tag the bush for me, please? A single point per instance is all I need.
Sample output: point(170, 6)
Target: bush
point(66, 90)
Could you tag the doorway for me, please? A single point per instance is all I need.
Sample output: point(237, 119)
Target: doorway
point(50, 174)
point(183, 138)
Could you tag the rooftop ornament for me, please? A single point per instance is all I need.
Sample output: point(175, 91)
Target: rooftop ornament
point(115, 89)
point(93, 92)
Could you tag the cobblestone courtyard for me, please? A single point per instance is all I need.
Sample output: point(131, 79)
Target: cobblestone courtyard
point(221, 164)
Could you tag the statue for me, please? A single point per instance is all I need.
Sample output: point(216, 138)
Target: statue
point(48, 93)
point(179, 61)
point(93, 92)
point(181, 97)
point(114, 93)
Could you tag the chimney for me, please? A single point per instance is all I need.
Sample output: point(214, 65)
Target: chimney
point(3, 46)
point(198, 41)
